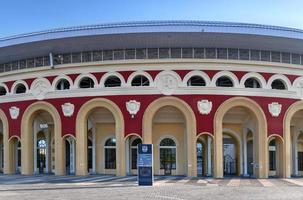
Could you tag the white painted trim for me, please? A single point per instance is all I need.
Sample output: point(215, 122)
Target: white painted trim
point(281, 77)
point(38, 79)
point(59, 78)
point(16, 83)
point(175, 74)
point(228, 74)
point(109, 74)
point(254, 75)
point(142, 73)
point(84, 75)
point(196, 73)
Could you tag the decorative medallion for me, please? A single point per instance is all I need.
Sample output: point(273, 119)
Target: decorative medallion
point(14, 112)
point(40, 88)
point(275, 109)
point(68, 109)
point(204, 106)
point(167, 82)
point(133, 107)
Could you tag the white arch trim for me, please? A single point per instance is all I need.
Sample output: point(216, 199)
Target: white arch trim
point(16, 83)
point(81, 76)
point(59, 78)
point(281, 77)
point(39, 79)
point(142, 73)
point(254, 75)
point(109, 74)
point(196, 73)
point(228, 74)
point(169, 137)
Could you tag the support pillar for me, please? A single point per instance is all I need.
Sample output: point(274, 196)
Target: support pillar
point(209, 172)
point(245, 154)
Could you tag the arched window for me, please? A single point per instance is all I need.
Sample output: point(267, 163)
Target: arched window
point(167, 155)
point(278, 85)
point(63, 84)
point(112, 81)
point(224, 81)
point(140, 80)
point(2, 91)
point(134, 148)
point(196, 81)
point(20, 88)
point(110, 153)
point(86, 82)
point(252, 83)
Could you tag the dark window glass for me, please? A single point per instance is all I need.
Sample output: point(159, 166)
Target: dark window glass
point(233, 54)
point(167, 142)
point(39, 62)
point(275, 56)
point(15, 65)
point(224, 82)
point(210, 53)
point(196, 81)
point(112, 81)
point(108, 55)
point(118, 55)
point(30, 63)
point(141, 54)
point(111, 142)
point(46, 61)
point(286, 57)
point(255, 55)
point(7, 67)
point(187, 53)
point(222, 53)
point(140, 81)
point(63, 84)
point(19, 154)
point(66, 58)
point(278, 85)
point(176, 53)
point(110, 158)
point(2, 68)
point(153, 53)
point(22, 64)
point(300, 161)
point(76, 57)
point(134, 156)
point(167, 158)
point(252, 83)
point(58, 59)
point(244, 54)
point(265, 56)
point(199, 53)
point(130, 53)
point(164, 53)
point(295, 59)
point(2, 91)
point(86, 56)
point(20, 88)
point(272, 156)
point(97, 56)
point(87, 83)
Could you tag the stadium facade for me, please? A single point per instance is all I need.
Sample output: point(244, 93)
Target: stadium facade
point(214, 99)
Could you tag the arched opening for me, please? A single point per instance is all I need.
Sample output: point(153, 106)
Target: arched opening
point(252, 83)
point(112, 81)
point(2, 91)
point(231, 155)
point(140, 80)
point(63, 84)
point(70, 154)
point(86, 82)
point(278, 84)
point(42, 147)
point(224, 81)
point(168, 154)
point(204, 155)
point(241, 123)
point(131, 154)
point(275, 157)
point(196, 81)
point(20, 89)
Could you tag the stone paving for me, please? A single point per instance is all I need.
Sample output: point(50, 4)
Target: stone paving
point(177, 187)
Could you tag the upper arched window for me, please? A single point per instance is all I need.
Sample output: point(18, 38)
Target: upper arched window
point(196, 81)
point(166, 142)
point(278, 85)
point(140, 80)
point(224, 81)
point(63, 84)
point(252, 83)
point(2, 91)
point(110, 142)
point(112, 81)
point(87, 82)
point(20, 88)
point(136, 142)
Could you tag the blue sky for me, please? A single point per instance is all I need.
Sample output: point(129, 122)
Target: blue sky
point(22, 16)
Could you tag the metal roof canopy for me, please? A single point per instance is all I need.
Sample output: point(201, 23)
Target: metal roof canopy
point(151, 35)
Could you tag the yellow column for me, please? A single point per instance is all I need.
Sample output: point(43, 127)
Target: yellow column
point(218, 151)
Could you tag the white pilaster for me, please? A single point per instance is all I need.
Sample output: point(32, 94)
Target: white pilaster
point(94, 149)
point(47, 159)
point(245, 153)
point(209, 173)
point(295, 154)
point(35, 132)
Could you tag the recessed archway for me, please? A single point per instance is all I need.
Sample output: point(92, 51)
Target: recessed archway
point(189, 122)
point(260, 134)
point(31, 128)
point(82, 129)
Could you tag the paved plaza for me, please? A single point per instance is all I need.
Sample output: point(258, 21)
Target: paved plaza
point(173, 188)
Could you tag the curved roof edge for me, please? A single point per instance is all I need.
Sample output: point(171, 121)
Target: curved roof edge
point(154, 26)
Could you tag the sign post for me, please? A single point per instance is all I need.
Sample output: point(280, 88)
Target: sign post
point(145, 165)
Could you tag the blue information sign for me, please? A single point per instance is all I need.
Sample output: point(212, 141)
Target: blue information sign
point(145, 164)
